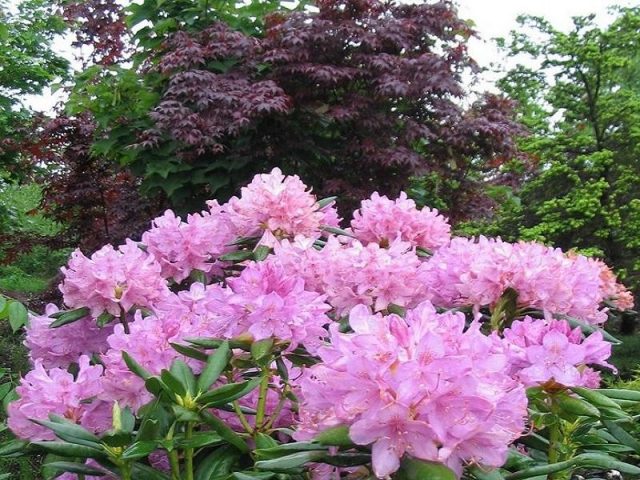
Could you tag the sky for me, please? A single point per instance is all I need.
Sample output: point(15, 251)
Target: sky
point(493, 18)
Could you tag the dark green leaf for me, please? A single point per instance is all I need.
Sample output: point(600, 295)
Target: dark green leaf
point(135, 367)
point(139, 450)
point(69, 449)
point(18, 315)
point(73, 467)
point(414, 469)
point(228, 393)
point(216, 364)
point(224, 431)
point(190, 352)
point(183, 372)
point(261, 348)
point(70, 316)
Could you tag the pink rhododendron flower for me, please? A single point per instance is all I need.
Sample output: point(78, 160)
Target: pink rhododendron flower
point(112, 280)
point(421, 386)
point(276, 304)
point(181, 247)
point(60, 347)
point(541, 351)
point(469, 272)
point(613, 290)
point(355, 274)
point(382, 221)
point(149, 344)
point(278, 204)
point(57, 392)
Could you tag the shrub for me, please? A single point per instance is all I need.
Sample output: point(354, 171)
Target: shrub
point(257, 339)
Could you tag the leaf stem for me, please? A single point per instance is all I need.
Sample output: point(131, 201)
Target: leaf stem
point(188, 453)
point(262, 399)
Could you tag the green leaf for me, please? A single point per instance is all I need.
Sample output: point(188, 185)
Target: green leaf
point(216, 364)
point(104, 318)
point(174, 383)
point(216, 342)
point(347, 459)
point(631, 395)
point(265, 441)
point(261, 348)
point(149, 429)
point(70, 432)
point(325, 202)
point(288, 462)
point(576, 406)
point(238, 256)
point(73, 467)
point(595, 398)
point(18, 315)
point(190, 352)
point(414, 469)
point(250, 475)
point(12, 447)
point(261, 252)
point(224, 431)
point(70, 450)
point(139, 450)
point(600, 460)
point(3, 307)
point(337, 231)
point(198, 440)
point(228, 393)
point(336, 436)
point(185, 375)
point(540, 470)
point(135, 367)
point(218, 464)
point(621, 435)
point(588, 329)
point(70, 316)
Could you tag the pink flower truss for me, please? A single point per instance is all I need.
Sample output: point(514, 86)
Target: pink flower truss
point(540, 352)
point(356, 274)
point(420, 386)
point(278, 204)
point(613, 290)
point(469, 272)
point(60, 347)
point(181, 247)
point(57, 392)
point(276, 304)
point(113, 279)
point(382, 221)
point(149, 344)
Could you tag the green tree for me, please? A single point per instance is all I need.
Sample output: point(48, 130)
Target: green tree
point(581, 104)
point(27, 65)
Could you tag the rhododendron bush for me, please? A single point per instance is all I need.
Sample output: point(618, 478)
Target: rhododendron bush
point(258, 339)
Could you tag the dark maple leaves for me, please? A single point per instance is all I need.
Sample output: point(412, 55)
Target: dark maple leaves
point(355, 96)
point(94, 199)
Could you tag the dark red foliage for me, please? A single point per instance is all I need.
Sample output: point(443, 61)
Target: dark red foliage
point(99, 24)
point(93, 198)
point(355, 97)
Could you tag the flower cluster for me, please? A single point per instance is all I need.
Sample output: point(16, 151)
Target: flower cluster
point(181, 247)
point(60, 347)
point(280, 205)
point(356, 274)
point(429, 385)
point(469, 272)
point(382, 221)
point(420, 385)
point(113, 280)
point(57, 392)
point(541, 352)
